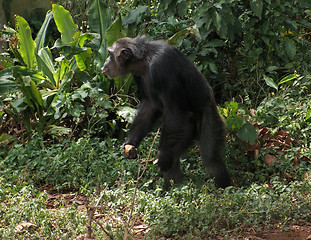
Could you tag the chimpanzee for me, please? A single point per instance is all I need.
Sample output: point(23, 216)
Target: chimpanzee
point(173, 90)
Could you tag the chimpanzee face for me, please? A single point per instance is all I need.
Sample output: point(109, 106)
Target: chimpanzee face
point(118, 60)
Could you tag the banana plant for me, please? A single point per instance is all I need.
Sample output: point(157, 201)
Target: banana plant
point(51, 82)
point(40, 77)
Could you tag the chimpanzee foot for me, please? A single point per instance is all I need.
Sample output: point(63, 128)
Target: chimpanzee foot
point(172, 174)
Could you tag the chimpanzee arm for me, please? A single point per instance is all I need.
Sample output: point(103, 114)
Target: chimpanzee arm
point(143, 122)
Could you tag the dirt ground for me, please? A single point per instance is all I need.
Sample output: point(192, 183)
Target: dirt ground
point(295, 232)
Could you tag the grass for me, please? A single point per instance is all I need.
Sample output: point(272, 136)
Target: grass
point(185, 212)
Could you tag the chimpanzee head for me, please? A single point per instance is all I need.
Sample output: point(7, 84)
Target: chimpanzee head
point(125, 56)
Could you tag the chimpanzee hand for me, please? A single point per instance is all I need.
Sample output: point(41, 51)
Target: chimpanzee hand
point(129, 151)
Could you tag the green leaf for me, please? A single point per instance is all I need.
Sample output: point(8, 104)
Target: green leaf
point(33, 95)
point(41, 37)
point(134, 14)
point(247, 133)
point(289, 78)
point(64, 23)
point(213, 67)
point(76, 110)
point(269, 81)
point(184, 32)
point(99, 17)
point(99, 21)
point(257, 6)
point(308, 115)
point(7, 81)
point(84, 54)
point(6, 138)
point(290, 48)
point(217, 19)
point(45, 64)
point(234, 122)
point(84, 37)
point(26, 45)
point(19, 105)
point(59, 130)
point(215, 43)
point(115, 31)
point(127, 113)
point(81, 59)
point(20, 71)
point(182, 8)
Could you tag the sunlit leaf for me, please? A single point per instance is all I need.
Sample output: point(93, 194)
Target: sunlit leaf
point(41, 36)
point(289, 78)
point(26, 45)
point(64, 23)
point(45, 64)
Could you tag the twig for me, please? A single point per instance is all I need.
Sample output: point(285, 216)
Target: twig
point(139, 177)
point(105, 231)
point(90, 215)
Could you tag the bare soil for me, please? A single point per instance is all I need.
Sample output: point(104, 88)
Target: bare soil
point(295, 232)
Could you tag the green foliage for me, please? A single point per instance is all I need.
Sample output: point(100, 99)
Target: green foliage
point(20, 205)
point(26, 45)
point(64, 23)
point(100, 20)
point(236, 44)
point(58, 85)
point(281, 128)
point(290, 108)
point(237, 116)
point(186, 213)
point(198, 213)
point(71, 164)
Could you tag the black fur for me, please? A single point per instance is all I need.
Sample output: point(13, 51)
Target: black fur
point(173, 90)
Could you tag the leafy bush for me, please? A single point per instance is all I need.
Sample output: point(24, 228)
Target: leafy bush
point(71, 164)
point(58, 90)
point(272, 139)
point(234, 43)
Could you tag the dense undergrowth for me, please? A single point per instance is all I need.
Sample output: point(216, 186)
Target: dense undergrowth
point(187, 212)
point(62, 173)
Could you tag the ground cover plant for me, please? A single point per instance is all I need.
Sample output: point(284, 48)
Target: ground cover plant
point(62, 173)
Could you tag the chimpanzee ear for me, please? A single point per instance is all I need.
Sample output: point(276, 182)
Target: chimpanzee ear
point(126, 53)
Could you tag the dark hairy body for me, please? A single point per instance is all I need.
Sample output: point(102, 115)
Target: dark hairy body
point(174, 91)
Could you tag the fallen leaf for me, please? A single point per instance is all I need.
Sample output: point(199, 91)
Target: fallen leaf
point(270, 159)
point(24, 226)
point(307, 175)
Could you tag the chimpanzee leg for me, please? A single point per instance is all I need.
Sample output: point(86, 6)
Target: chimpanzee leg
point(212, 142)
point(142, 124)
point(176, 135)
point(174, 173)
